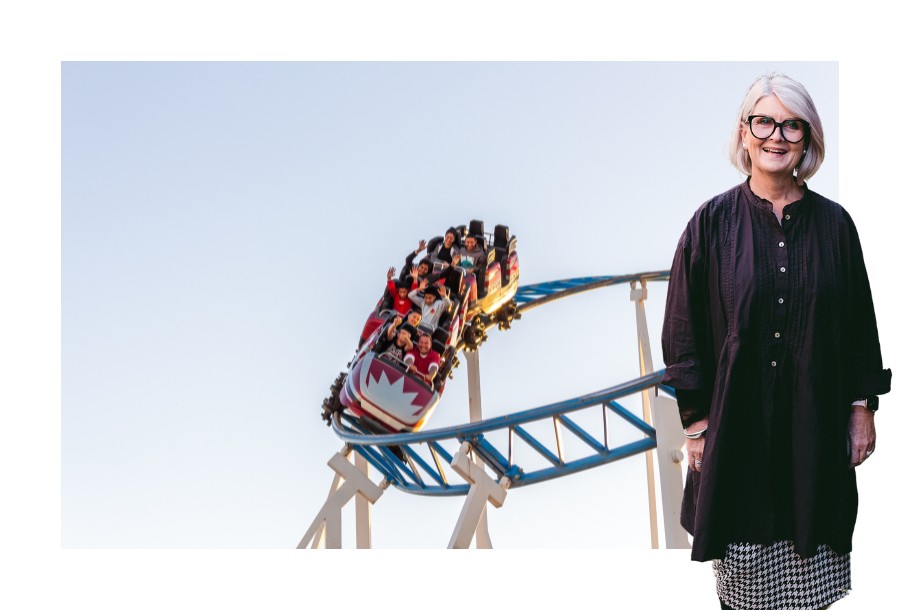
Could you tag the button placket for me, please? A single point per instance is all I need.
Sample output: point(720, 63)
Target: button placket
point(781, 288)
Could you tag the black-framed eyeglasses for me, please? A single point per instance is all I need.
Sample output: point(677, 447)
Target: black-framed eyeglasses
point(762, 127)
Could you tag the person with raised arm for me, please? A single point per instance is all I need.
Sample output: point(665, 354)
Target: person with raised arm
point(397, 340)
point(426, 297)
point(399, 292)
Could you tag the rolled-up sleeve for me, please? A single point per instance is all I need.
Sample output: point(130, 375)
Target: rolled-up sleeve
point(867, 377)
point(687, 334)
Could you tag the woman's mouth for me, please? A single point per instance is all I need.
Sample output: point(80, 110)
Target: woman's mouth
point(775, 151)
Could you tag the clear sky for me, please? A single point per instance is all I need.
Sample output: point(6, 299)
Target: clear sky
point(226, 229)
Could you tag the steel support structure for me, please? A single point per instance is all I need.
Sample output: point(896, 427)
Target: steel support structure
point(356, 482)
point(662, 414)
point(660, 424)
point(639, 295)
point(482, 489)
point(482, 537)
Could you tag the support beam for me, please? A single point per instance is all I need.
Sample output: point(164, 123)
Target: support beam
point(669, 454)
point(482, 489)
point(363, 508)
point(320, 533)
point(662, 414)
point(355, 482)
point(638, 295)
point(473, 368)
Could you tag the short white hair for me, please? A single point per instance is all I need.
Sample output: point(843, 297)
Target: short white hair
point(796, 99)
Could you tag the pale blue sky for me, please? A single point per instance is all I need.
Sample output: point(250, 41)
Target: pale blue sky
point(226, 229)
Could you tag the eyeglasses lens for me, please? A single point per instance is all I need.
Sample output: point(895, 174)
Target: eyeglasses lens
point(762, 127)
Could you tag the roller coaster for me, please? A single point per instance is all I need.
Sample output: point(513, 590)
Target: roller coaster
point(416, 462)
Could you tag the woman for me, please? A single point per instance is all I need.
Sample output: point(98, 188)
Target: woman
point(447, 249)
point(771, 344)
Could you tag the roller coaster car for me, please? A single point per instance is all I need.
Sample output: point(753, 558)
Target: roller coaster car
point(382, 390)
point(494, 285)
point(481, 291)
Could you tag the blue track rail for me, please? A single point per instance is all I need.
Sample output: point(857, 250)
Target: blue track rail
point(534, 295)
point(426, 475)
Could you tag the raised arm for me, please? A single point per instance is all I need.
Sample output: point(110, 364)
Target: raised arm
point(392, 329)
point(412, 255)
point(415, 297)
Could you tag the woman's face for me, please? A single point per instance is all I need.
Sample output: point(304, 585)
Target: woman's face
point(773, 155)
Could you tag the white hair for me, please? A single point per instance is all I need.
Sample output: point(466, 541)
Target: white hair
point(796, 99)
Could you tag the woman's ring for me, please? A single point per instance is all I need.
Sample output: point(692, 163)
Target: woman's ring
point(698, 462)
point(868, 453)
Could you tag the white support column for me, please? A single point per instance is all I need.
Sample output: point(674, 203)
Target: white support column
point(355, 482)
point(363, 508)
point(662, 414)
point(320, 532)
point(483, 489)
point(669, 455)
point(473, 367)
point(638, 295)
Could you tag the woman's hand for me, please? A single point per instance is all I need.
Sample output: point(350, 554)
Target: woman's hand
point(695, 445)
point(862, 434)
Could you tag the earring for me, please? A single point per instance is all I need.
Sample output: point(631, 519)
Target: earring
point(804, 151)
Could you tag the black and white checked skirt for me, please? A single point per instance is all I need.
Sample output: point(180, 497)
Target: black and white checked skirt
point(757, 577)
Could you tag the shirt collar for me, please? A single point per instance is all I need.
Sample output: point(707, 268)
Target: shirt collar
point(795, 207)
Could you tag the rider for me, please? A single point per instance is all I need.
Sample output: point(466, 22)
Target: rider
point(414, 317)
point(432, 308)
point(423, 360)
point(423, 268)
point(399, 292)
point(396, 342)
point(472, 256)
point(446, 250)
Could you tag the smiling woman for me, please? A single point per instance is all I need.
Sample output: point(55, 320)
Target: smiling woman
point(777, 98)
point(770, 341)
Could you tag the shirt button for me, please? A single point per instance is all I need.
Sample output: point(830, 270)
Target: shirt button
point(787, 216)
point(773, 363)
point(781, 300)
point(782, 269)
point(781, 244)
point(777, 335)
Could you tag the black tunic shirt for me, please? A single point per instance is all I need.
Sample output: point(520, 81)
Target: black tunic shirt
point(770, 332)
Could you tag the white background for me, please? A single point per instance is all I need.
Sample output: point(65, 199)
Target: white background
point(205, 308)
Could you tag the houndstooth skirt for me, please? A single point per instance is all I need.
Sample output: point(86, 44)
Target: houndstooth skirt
point(757, 577)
